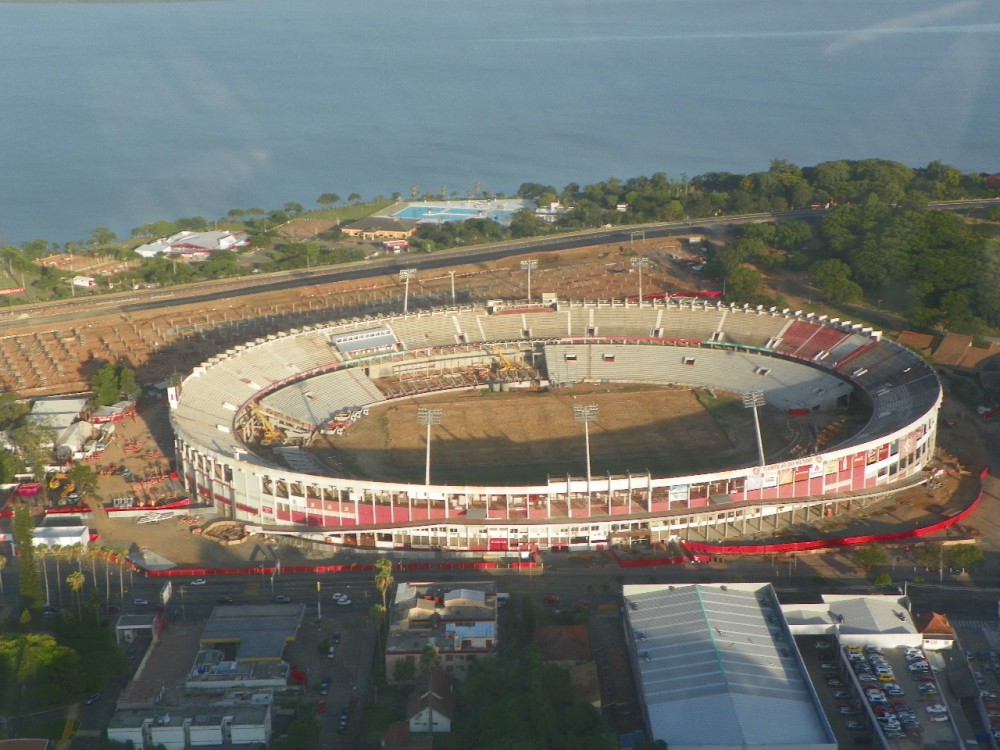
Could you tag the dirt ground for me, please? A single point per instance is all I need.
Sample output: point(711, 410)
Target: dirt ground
point(517, 436)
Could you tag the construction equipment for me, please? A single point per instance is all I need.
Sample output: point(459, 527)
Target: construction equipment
point(270, 435)
point(505, 364)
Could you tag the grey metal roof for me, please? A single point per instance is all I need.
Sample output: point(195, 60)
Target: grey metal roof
point(262, 630)
point(718, 668)
point(870, 614)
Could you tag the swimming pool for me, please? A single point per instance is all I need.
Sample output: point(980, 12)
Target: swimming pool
point(436, 212)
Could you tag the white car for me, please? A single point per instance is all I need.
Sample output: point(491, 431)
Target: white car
point(937, 708)
point(343, 602)
point(198, 582)
point(338, 597)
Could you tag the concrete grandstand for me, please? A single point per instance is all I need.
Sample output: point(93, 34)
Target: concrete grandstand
point(282, 390)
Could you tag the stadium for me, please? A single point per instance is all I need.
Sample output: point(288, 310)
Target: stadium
point(263, 430)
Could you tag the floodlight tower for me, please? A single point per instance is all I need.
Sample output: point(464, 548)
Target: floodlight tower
point(586, 413)
point(428, 417)
point(640, 263)
point(754, 400)
point(405, 275)
point(529, 265)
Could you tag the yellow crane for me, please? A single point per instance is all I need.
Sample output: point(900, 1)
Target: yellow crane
point(505, 364)
point(270, 435)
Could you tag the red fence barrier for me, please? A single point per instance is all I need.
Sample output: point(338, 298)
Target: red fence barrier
point(313, 569)
point(849, 541)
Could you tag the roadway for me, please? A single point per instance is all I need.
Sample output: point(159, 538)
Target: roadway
point(216, 291)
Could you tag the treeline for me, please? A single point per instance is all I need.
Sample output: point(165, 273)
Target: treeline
point(932, 267)
point(842, 185)
point(783, 187)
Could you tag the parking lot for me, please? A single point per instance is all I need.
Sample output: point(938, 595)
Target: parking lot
point(895, 693)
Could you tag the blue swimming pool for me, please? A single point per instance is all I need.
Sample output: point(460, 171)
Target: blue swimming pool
point(437, 212)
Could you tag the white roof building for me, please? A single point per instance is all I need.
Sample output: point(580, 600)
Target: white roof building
point(193, 242)
point(860, 620)
point(717, 668)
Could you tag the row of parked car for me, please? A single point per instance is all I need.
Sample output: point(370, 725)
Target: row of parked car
point(885, 696)
point(992, 705)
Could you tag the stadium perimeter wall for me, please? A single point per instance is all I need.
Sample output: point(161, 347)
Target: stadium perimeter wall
point(891, 450)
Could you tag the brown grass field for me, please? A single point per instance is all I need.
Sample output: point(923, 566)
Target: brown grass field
point(521, 437)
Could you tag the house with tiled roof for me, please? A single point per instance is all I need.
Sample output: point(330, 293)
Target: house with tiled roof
point(563, 645)
point(381, 228)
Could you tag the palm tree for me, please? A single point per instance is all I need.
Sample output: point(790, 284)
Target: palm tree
point(42, 552)
point(378, 618)
point(430, 659)
point(384, 580)
point(59, 554)
point(76, 581)
point(120, 558)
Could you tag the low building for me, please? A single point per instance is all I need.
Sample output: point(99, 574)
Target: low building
point(182, 727)
point(716, 667)
point(859, 620)
point(189, 243)
point(430, 707)
point(460, 620)
point(381, 228)
point(564, 646)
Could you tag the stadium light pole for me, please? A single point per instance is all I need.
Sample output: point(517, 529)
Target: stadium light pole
point(586, 413)
point(452, 274)
point(640, 263)
point(631, 238)
point(428, 417)
point(754, 400)
point(529, 265)
point(405, 275)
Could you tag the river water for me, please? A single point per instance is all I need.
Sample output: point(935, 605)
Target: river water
point(119, 114)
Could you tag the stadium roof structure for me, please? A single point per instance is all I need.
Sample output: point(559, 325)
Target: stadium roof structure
point(717, 668)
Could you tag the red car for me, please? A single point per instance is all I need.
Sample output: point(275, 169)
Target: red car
point(321, 706)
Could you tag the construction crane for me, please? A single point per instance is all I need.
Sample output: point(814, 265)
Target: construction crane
point(505, 364)
point(270, 435)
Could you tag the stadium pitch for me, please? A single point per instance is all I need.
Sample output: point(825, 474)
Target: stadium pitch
point(526, 436)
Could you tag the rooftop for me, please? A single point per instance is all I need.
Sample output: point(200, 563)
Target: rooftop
point(718, 668)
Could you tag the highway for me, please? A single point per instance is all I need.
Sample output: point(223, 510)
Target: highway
point(216, 291)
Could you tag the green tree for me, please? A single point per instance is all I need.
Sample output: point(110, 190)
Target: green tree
point(102, 236)
point(10, 465)
point(869, 556)
point(12, 409)
point(430, 659)
point(328, 199)
point(24, 539)
point(404, 671)
point(742, 284)
point(384, 580)
point(112, 382)
point(76, 581)
point(293, 209)
point(962, 556)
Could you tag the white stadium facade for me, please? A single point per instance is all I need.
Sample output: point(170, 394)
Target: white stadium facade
point(301, 382)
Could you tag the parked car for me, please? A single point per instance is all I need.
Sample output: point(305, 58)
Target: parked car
point(321, 706)
point(92, 699)
point(282, 599)
point(140, 601)
point(335, 639)
point(198, 582)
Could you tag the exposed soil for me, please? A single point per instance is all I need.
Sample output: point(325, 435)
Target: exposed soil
point(516, 436)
